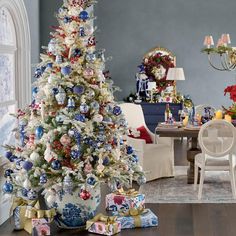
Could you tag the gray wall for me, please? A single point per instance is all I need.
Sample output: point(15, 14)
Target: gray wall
point(32, 7)
point(48, 8)
point(129, 28)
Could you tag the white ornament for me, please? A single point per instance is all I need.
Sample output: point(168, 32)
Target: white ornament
point(34, 156)
point(98, 118)
point(61, 96)
point(27, 184)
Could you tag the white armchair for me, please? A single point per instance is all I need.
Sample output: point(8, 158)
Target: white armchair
point(157, 159)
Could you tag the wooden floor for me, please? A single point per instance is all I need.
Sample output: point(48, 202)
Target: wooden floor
point(174, 219)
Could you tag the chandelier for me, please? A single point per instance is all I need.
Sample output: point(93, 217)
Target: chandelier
point(226, 53)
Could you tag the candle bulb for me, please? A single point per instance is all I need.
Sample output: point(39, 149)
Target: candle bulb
point(225, 39)
point(218, 115)
point(228, 118)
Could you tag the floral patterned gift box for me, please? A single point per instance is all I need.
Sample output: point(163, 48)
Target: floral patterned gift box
point(124, 200)
point(41, 227)
point(135, 218)
point(105, 225)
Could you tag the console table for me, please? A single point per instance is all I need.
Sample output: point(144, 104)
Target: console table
point(155, 112)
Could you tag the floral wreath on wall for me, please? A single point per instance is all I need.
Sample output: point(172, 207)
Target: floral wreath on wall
point(156, 64)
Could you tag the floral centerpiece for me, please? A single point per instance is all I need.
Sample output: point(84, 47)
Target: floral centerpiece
point(232, 109)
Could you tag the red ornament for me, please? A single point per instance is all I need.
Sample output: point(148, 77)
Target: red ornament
point(85, 195)
point(91, 41)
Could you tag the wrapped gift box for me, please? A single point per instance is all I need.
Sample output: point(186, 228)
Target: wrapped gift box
point(104, 225)
point(134, 219)
point(124, 200)
point(41, 227)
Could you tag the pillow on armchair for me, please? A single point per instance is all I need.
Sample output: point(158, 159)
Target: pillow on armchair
point(143, 134)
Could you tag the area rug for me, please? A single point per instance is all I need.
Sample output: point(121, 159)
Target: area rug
point(216, 189)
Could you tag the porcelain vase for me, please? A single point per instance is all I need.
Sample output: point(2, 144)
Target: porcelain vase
point(73, 211)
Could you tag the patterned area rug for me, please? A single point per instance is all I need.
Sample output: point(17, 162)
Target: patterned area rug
point(216, 189)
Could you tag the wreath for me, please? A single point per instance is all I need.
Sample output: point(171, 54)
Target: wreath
point(156, 67)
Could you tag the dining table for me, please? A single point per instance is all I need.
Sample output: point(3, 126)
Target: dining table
point(192, 135)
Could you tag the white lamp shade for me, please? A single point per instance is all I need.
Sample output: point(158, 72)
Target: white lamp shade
point(152, 85)
point(175, 74)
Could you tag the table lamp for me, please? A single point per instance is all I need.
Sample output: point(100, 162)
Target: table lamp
point(175, 74)
point(152, 87)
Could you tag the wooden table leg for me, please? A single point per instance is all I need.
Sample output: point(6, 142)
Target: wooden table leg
point(190, 157)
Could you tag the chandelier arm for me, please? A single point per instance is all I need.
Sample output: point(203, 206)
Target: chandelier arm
point(211, 64)
point(231, 66)
point(224, 62)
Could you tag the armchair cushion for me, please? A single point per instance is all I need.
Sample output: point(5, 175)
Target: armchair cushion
point(143, 135)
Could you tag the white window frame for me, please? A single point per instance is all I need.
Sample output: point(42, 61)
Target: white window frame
point(22, 55)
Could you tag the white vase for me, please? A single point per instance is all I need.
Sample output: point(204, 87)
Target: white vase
point(73, 211)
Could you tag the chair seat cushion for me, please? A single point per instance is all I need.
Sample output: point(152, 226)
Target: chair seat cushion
point(143, 135)
point(211, 161)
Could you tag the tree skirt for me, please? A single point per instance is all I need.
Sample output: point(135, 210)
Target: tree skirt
point(216, 189)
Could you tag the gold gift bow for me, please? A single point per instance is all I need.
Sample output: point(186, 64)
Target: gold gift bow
point(135, 213)
point(18, 201)
point(33, 213)
point(108, 220)
point(131, 192)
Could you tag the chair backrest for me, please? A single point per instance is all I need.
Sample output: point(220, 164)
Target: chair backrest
point(133, 114)
point(217, 138)
point(199, 109)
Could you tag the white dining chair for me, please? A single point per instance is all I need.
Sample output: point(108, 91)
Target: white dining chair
point(217, 141)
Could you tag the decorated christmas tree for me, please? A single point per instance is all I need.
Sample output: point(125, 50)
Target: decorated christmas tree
point(72, 133)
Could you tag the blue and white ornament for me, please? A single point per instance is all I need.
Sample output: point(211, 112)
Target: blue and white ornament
point(91, 181)
point(7, 188)
point(77, 52)
point(66, 70)
point(59, 59)
point(43, 179)
point(71, 103)
point(68, 184)
point(95, 106)
point(84, 108)
point(117, 110)
point(129, 150)
point(80, 117)
point(56, 165)
point(8, 172)
point(82, 32)
point(61, 96)
point(27, 165)
point(78, 89)
point(52, 46)
point(39, 131)
point(75, 154)
point(141, 180)
point(84, 15)
point(98, 118)
point(32, 194)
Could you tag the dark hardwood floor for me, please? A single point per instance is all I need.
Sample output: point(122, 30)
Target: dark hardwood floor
point(174, 219)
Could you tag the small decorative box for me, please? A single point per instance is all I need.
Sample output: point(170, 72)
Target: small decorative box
point(135, 218)
point(124, 200)
point(105, 225)
point(41, 227)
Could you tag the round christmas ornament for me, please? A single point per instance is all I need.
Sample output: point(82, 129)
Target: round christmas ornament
point(79, 89)
point(95, 106)
point(32, 195)
point(8, 173)
point(61, 96)
point(129, 150)
point(84, 108)
point(83, 15)
point(7, 188)
point(56, 165)
point(88, 29)
point(39, 131)
point(98, 118)
point(77, 52)
point(85, 195)
point(91, 41)
point(80, 117)
point(91, 181)
point(67, 19)
point(90, 57)
point(88, 73)
point(75, 154)
point(90, 93)
point(27, 165)
point(66, 70)
point(65, 140)
point(117, 110)
point(43, 179)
